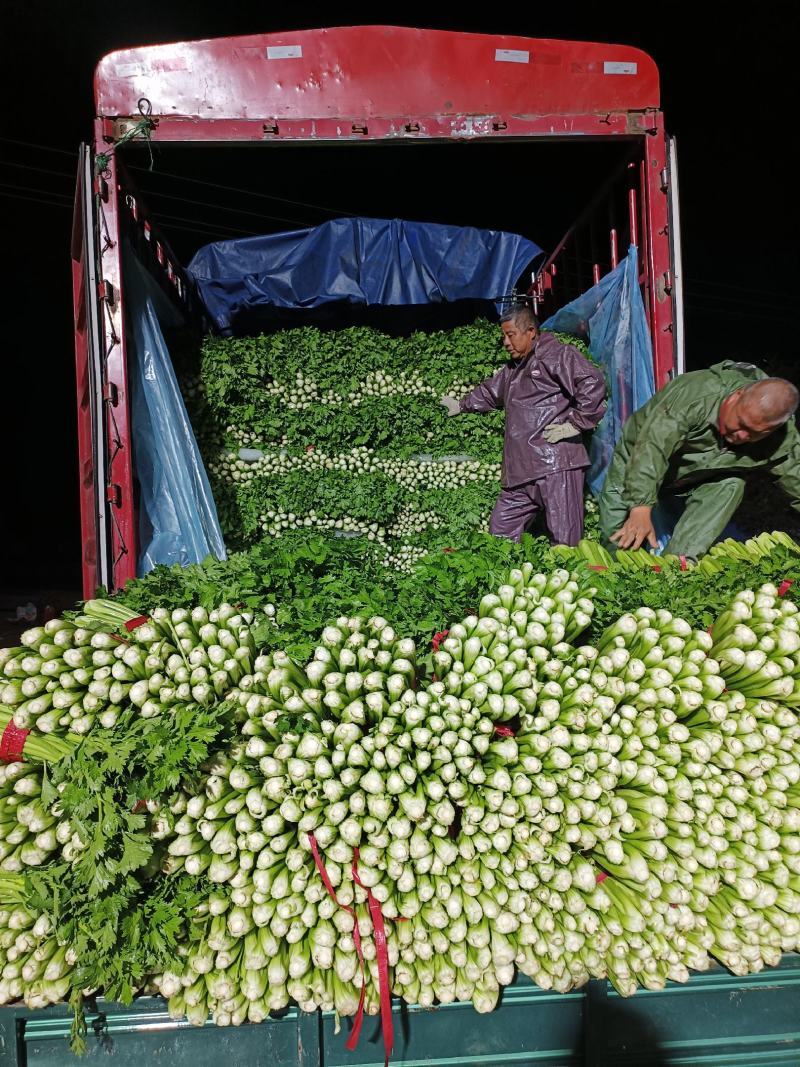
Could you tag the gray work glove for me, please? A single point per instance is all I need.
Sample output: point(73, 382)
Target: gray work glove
point(559, 431)
point(452, 405)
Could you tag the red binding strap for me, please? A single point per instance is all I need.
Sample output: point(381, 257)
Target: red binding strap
point(438, 638)
point(359, 1019)
point(382, 953)
point(12, 743)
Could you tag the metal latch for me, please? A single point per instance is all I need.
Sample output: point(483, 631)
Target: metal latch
point(127, 128)
point(114, 494)
point(106, 292)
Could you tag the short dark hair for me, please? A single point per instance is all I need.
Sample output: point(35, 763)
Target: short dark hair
point(521, 315)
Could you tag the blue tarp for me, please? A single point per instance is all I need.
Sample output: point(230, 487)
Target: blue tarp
point(386, 262)
point(611, 317)
point(177, 515)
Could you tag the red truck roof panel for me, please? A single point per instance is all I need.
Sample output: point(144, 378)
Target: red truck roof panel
point(362, 72)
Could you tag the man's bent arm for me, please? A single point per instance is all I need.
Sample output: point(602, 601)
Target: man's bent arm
point(659, 438)
point(487, 396)
point(585, 385)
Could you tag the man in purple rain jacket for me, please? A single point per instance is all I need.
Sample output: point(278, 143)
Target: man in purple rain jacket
point(551, 395)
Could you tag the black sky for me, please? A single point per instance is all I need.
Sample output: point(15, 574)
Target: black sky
point(729, 89)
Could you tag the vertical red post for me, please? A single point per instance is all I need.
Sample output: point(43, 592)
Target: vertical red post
point(614, 249)
point(81, 247)
point(639, 237)
point(633, 219)
point(655, 210)
point(119, 489)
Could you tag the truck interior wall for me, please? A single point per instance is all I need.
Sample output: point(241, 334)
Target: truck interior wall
point(541, 189)
point(202, 193)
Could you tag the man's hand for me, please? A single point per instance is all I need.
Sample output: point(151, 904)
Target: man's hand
point(636, 529)
point(559, 431)
point(452, 405)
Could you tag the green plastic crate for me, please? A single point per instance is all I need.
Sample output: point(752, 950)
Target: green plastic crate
point(716, 1020)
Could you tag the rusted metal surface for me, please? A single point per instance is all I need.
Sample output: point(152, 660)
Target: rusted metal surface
point(460, 127)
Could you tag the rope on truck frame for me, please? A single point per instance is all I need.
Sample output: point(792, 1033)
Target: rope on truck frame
point(142, 128)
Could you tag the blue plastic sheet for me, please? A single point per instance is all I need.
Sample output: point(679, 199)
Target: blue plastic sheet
point(371, 262)
point(177, 516)
point(612, 318)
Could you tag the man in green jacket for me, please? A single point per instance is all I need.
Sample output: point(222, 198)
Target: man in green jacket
point(698, 439)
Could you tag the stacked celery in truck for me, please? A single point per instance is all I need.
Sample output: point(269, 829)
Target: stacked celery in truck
point(341, 432)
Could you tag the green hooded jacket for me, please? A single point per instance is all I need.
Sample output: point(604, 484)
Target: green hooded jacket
point(673, 441)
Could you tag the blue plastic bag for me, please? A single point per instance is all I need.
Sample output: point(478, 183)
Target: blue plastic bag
point(612, 318)
point(177, 516)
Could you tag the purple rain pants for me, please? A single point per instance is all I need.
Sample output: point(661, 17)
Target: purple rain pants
point(561, 496)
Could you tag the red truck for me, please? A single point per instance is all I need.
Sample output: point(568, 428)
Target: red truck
point(342, 86)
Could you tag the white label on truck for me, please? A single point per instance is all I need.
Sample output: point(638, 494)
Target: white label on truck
point(284, 51)
point(511, 55)
point(620, 68)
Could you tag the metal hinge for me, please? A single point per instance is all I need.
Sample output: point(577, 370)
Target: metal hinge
point(106, 292)
point(114, 494)
point(126, 126)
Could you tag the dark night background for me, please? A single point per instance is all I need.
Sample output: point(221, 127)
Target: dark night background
point(728, 90)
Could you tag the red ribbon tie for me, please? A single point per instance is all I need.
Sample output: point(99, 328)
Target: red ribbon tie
point(12, 743)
